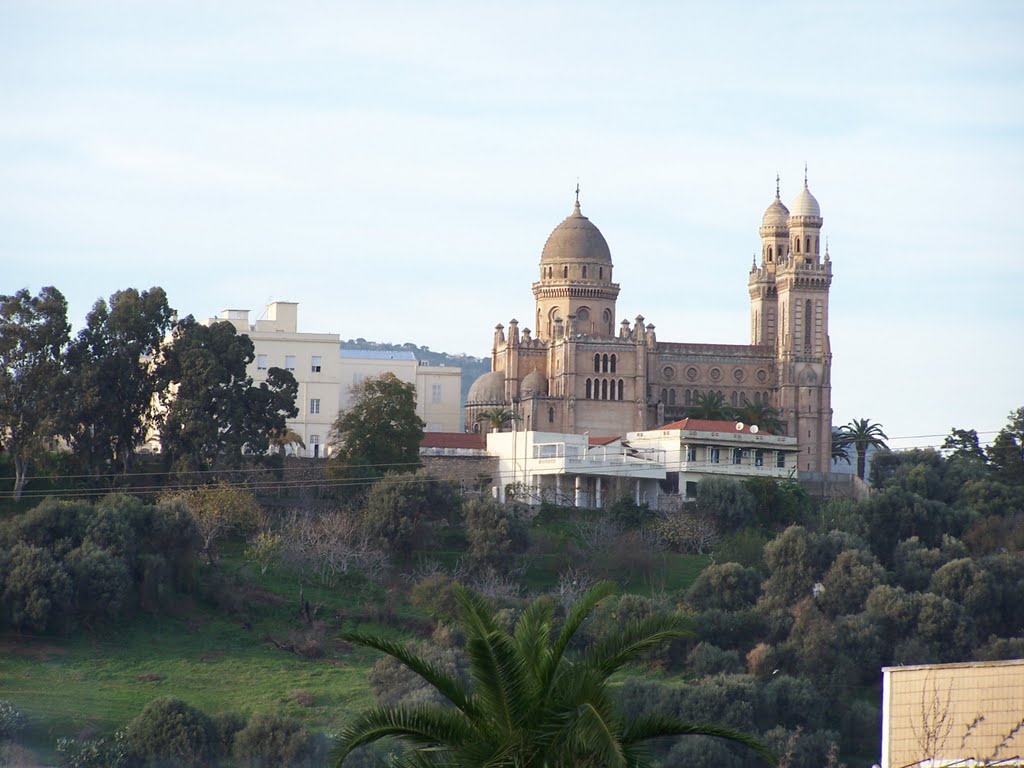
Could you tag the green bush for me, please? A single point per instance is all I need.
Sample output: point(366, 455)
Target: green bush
point(37, 589)
point(707, 659)
point(725, 586)
point(100, 580)
point(169, 732)
point(269, 741)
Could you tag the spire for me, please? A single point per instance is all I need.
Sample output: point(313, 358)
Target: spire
point(805, 174)
point(827, 258)
point(576, 205)
point(777, 187)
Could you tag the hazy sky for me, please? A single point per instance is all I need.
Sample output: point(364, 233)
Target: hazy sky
point(397, 167)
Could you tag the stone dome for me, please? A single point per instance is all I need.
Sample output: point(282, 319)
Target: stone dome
point(535, 382)
point(489, 389)
point(576, 240)
point(805, 204)
point(776, 214)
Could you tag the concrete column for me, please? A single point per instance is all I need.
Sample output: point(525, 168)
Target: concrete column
point(637, 491)
point(580, 501)
point(558, 490)
point(598, 500)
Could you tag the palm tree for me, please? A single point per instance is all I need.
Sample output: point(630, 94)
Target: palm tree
point(710, 405)
point(529, 706)
point(861, 433)
point(761, 414)
point(839, 446)
point(283, 438)
point(497, 418)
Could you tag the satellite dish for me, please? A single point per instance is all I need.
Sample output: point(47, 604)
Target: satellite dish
point(755, 429)
point(739, 426)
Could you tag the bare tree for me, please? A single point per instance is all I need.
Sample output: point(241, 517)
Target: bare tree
point(331, 545)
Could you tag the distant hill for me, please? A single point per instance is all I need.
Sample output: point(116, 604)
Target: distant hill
point(472, 367)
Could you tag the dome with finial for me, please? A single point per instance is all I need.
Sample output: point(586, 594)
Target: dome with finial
point(776, 214)
point(805, 204)
point(576, 239)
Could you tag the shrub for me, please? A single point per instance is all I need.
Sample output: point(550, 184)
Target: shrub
point(107, 752)
point(493, 531)
point(37, 590)
point(272, 740)
point(12, 722)
point(170, 732)
point(226, 725)
point(725, 586)
point(707, 659)
point(101, 582)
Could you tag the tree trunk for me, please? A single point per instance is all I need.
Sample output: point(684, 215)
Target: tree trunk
point(20, 476)
point(862, 456)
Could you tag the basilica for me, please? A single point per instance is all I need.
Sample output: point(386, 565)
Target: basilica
point(582, 370)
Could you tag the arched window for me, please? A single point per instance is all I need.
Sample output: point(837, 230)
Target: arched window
point(808, 244)
point(764, 397)
point(584, 272)
point(664, 395)
point(620, 389)
point(798, 245)
point(735, 399)
point(551, 415)
point(611, 390)
point(565, 271)
point(604, 389)
point(816, 245)
point(769, 253)
point(589, 386)
point(604, 363)
point(689, 398)
point(582, 314)
point(672, 396)
point(597, 363)
point(613, 363)
point(600, 273)
point(807, 325)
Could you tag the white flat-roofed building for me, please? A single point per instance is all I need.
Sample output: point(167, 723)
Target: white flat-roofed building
point(312, 358)
point(438, 387)
point(692, 450)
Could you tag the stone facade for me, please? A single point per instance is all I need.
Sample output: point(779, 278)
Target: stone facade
point(584, 371)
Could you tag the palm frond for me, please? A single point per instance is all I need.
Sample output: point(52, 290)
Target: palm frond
point(616, 649)
point(503, 681)
point(533, 632)
point(424, 726)
point(579, 613)
point(597, 732)
point(445, 684)
point(658, 726)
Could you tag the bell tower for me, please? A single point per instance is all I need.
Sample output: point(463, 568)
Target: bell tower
point(763, 293)
point(802, 282)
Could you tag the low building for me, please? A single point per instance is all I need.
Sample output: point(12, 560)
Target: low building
point(693, 450)
point(969, 714)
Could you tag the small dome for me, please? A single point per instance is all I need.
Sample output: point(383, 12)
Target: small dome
point(536, 383)
point(805, 204)
point(576, 240)
point(776, 214)
point(489, 389)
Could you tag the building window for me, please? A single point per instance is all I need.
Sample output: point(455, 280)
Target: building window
point(289, 362)
point(691, 453)
point(672, 396)
point(737, 455)
point(798, 245)
point(314, 444)
point(612, 361)
point(584, 272)
point(620, 389)
point(808, 245)
point(565, 271)
point(664, 396)
point(316, 364)
point(604, 363)
point(589, 388)
point(314, 405)
point(435, 393)
point(807, 327)
point(691, 489)
point(597, 363)
point(714, 454)
point(780, 460)
point(261, 362)
point(551, 415)
point(759, 458)
point(604, 389)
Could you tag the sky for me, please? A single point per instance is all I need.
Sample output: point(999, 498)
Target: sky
point(397, 167)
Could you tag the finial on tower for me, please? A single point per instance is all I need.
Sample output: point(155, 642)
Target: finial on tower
point(826, 249)
point(776, 186)
point(577, 190)
point(805, 174)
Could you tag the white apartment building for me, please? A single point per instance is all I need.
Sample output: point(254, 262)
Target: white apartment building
point(438, 387)
point(312, 359)
point(584, 471)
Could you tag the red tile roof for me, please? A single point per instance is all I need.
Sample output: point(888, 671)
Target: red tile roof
point(707, 425)
point(602, 440)
point(453, 440)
